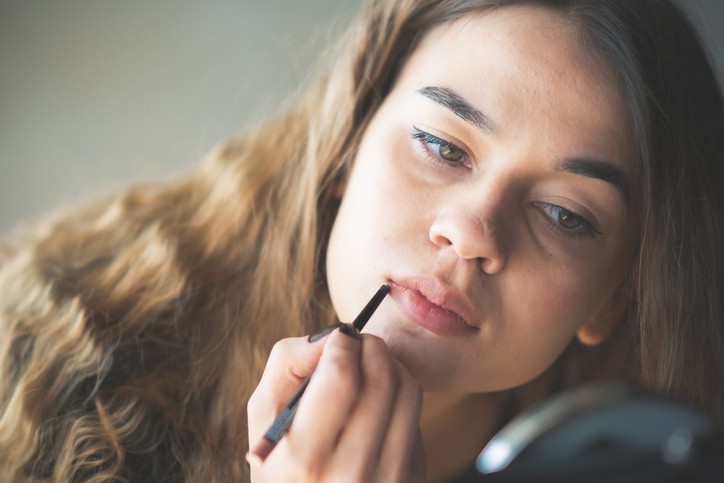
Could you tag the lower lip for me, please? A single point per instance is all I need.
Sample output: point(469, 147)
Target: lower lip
point(428, 315)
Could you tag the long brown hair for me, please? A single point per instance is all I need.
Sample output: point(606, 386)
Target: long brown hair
point(133, 329)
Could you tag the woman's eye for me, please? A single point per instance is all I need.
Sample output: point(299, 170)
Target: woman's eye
point(450, 152)
point(441, 149)
point(568, 222)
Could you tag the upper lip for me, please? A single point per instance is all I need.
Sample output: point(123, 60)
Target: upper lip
point(442, 294)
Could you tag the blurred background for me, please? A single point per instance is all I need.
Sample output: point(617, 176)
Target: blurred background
point(95, 94)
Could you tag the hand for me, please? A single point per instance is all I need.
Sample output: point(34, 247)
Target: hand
point(358, 418)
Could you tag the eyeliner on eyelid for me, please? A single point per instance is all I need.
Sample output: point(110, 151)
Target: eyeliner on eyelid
point(428, 139)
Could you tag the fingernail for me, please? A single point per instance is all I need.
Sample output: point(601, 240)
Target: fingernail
point(323, 333)
point(350, 330)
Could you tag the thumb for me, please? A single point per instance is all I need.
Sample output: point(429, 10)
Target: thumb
point(290, 362)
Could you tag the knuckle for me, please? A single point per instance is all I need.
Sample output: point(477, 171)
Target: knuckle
point(281, 349)
point(379, 365)
point(343, 372)
point(375, 343)
point(340, 368)
point(382, 376)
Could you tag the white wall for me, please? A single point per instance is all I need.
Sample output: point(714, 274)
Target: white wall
point(95, 93)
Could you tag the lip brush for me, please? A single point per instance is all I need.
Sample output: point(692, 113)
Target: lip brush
point(281, 424)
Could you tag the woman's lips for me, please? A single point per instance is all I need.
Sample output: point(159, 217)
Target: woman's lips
point(437, 307)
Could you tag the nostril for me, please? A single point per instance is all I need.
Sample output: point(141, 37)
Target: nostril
point(441, 241)
point(439, 237)
point(470, 239)
point(491, 265)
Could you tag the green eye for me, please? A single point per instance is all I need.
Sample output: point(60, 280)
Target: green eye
point(448, 152)
point(440, 149)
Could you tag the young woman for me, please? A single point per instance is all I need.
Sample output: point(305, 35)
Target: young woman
point(537, 182)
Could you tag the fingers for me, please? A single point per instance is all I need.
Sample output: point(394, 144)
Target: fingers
point(366, 427)
point(329, 398)
point(382, 431)
point(402, 457)
point(290, 362)
point(358, 418)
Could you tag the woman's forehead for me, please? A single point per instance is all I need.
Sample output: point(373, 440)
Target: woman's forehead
point(523, 63)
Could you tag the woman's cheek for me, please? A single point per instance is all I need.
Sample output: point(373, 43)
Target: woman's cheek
point(552, 306)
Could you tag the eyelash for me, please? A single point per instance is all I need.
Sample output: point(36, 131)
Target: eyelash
point(551, 211)
point(554, 212)
point(427, 140)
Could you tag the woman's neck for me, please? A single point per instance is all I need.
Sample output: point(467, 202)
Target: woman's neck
point(455, 427)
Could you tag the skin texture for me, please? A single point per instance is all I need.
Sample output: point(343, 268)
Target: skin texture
point(488, 228)
point(497, 256)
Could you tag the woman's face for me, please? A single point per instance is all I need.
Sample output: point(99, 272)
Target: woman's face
point(490, 192)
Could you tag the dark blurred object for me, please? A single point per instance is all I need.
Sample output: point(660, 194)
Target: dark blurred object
point(606, 433)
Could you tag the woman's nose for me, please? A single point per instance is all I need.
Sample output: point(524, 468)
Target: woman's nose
point(471, 238)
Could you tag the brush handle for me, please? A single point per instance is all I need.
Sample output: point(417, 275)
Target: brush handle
point(281, 424)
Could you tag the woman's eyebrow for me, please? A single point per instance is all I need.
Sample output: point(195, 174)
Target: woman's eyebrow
point(598, 169)
point(590, 168)
point(450, 99)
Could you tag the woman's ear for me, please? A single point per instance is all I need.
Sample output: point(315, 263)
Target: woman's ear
point(598, 328)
